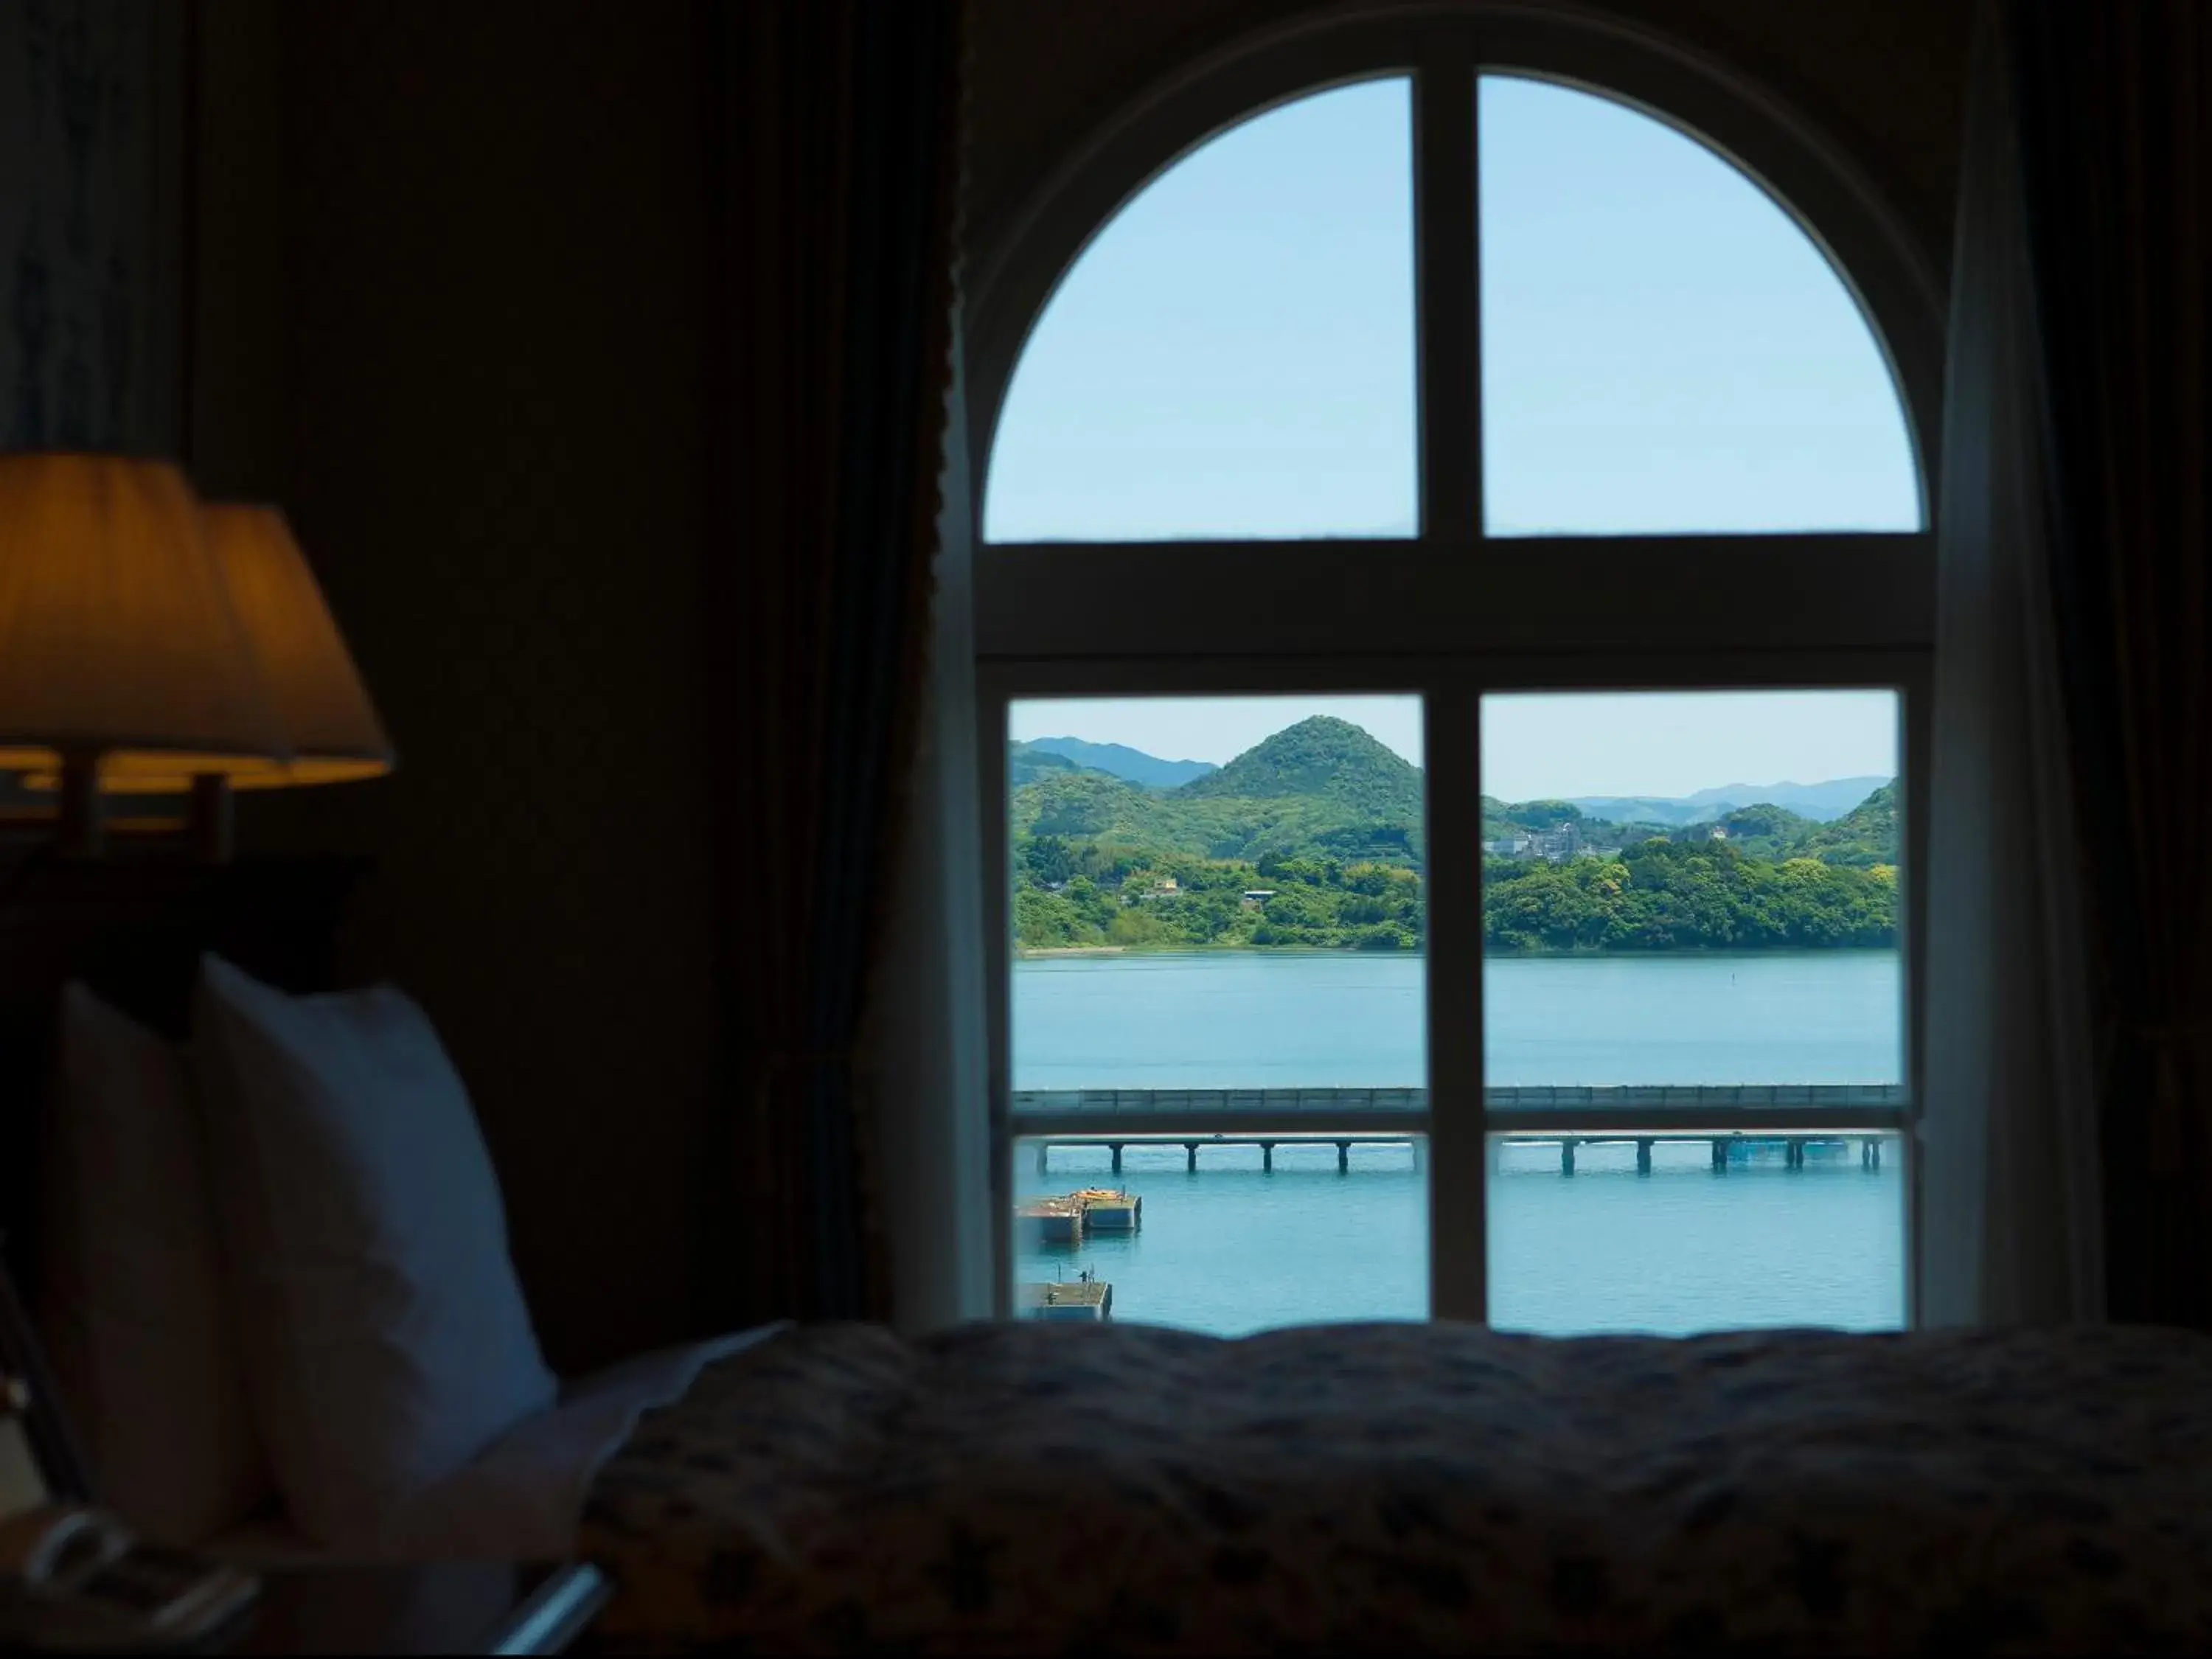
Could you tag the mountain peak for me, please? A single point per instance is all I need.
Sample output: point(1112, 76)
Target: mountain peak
point(1326, 758)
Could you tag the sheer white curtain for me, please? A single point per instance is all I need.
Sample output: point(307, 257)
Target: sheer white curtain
point(930, 1075)
point(2011, 1220)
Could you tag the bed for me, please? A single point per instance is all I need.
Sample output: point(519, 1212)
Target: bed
point(1440, 1488)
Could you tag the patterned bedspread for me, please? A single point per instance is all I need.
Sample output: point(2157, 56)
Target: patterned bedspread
point(1123, 1488)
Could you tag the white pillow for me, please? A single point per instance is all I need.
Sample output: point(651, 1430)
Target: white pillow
point(386, 1341)
point(132, 1302)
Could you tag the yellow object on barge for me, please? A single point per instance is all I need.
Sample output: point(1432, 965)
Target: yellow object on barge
point(1110, 1209)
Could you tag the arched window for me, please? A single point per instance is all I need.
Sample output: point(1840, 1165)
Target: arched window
point(1454, 597)
point(1663, 347)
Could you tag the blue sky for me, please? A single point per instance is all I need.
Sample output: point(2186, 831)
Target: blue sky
point(1536, 746)
point(1233, 354)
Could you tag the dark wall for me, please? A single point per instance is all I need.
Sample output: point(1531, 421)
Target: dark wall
point(452, 310)
point(1885, 78)
point(90, 224)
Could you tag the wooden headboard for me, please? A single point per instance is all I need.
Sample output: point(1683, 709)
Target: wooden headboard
point(134, 932)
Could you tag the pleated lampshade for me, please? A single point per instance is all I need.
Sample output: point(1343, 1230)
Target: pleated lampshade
point(119, 644)
point(331, 731)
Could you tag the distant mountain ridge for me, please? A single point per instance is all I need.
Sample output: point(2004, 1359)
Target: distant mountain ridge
point(1118, 760)
point(1313, 839)
point(1824, 802)
point(1324, 759)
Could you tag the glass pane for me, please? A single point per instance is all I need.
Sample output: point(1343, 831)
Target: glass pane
point(1222, 1233)
point(1662, 936)
point(1219, 913)
point(1232, 355)
point(1677, 1236)
point(1664, 350)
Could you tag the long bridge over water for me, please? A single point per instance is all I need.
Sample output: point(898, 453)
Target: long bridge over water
point(1728, 1115)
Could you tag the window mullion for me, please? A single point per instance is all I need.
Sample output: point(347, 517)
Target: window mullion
point(1448, 307)
point(1458, 1166)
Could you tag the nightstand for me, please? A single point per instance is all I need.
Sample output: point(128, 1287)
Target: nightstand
point(447, 1607)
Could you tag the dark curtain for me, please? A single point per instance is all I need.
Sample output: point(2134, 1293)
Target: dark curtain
point(2115, 150)
point(835, 124)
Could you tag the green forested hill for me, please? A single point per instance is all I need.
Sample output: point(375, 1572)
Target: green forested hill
point(1322, 789)
point(1863, 837)
point(1322, 759)
point(1312, 838)
point(1765, 831)
point(1026, 765)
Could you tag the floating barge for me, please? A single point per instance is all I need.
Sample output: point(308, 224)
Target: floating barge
point(1066, 1218)
point(1082, 1298)
point(1110, 1209)
point(1050, 1221)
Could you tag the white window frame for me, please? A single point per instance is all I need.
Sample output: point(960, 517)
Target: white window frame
point(1451, 613)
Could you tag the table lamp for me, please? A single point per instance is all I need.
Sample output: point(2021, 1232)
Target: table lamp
point(221, 670)
point(121, 653)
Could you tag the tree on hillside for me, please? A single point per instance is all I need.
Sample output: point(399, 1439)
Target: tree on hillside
point(1047, 857)
point(1543, 814)
point(1763, 821)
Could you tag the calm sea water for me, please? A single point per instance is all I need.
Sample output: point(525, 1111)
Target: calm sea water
point(1233, 1249)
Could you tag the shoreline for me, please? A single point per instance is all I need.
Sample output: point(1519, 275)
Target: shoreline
point(1025, 952)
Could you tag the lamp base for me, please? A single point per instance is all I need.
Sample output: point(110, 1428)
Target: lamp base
point(213, 824)
point(81, 827)
point(81, 833)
